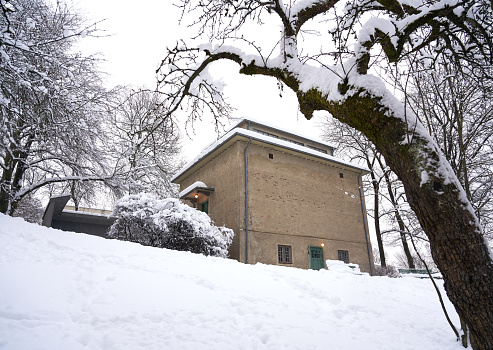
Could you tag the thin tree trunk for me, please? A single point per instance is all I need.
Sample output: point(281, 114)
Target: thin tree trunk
point(398, 217)
point(378, 233)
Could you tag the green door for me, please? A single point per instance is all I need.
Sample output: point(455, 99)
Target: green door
point(205, 207)
point(316, 258)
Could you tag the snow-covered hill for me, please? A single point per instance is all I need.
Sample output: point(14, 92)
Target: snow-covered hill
point(72, 291)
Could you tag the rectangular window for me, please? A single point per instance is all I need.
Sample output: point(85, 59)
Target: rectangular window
point(343, 255)
point(284, 254)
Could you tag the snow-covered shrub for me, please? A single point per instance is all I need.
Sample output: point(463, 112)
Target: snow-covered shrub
point(168, 223)
point(389, 271)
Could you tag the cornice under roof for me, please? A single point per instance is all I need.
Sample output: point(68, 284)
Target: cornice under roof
point(248, 134)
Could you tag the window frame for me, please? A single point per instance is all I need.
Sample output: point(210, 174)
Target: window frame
point(344, 254)
point(281, 254)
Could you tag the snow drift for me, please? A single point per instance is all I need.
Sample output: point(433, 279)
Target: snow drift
point(62, 290)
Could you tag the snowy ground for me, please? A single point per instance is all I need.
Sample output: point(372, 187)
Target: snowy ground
point(62, 290)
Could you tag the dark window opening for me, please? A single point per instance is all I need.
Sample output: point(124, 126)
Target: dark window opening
point(284, 254)
point(271, 156)
point(205, 207)
point(341, 175)
point(343, 255)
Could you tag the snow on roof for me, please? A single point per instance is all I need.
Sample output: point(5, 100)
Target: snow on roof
point(295, 133)
point(267, 139)
point(60, 195)
point(192, 187)
point(86, 213)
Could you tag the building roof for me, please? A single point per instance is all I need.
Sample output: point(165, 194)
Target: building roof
point(195, 189)
point(246, 134)
point(286, 131)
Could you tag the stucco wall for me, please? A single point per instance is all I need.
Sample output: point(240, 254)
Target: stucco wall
point(292, 201)
point(300, 202)
point(224, 172)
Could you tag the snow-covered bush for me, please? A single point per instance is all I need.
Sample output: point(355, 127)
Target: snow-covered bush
point(389, 271)
point(168, 223)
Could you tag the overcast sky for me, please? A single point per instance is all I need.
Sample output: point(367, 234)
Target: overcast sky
point(141, 31)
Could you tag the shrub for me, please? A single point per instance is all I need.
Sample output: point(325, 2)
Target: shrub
point(389, 271)
point(168, 223)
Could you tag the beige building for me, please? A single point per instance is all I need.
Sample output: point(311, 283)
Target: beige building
point(288, 199)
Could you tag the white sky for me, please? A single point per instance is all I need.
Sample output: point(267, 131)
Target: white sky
point(140, 34)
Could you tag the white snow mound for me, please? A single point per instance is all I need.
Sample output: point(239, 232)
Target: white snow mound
point(62, 290)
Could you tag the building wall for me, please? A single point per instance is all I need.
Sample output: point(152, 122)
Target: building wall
point(75, 222)
point(224, 172)
point(300, 202)
point(292, 201)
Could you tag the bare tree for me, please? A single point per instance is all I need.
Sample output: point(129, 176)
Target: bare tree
point(335, 79)
point(51, 101)
point(457, 110)
point(145, 145)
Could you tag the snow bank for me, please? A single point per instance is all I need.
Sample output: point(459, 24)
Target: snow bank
point(61, 290)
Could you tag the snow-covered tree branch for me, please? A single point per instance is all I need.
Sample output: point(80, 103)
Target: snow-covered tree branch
point(51, 101)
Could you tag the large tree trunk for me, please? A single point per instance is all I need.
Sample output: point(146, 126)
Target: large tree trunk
point(457, 245)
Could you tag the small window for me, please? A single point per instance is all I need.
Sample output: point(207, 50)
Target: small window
point(284, 254)
point(271, 156)
point(341, 175)
point(343, 255)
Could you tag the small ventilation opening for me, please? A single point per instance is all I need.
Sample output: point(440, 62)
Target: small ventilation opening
point(271, 156)
point(341, 175)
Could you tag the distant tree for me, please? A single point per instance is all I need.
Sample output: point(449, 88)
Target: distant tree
point(168, 223)
point(457, 110)
point(145, 145)
point(51, 101)
point(30, 209)
point(402, 260)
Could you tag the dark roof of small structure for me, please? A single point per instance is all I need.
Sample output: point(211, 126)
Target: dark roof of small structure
point(76, 221)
